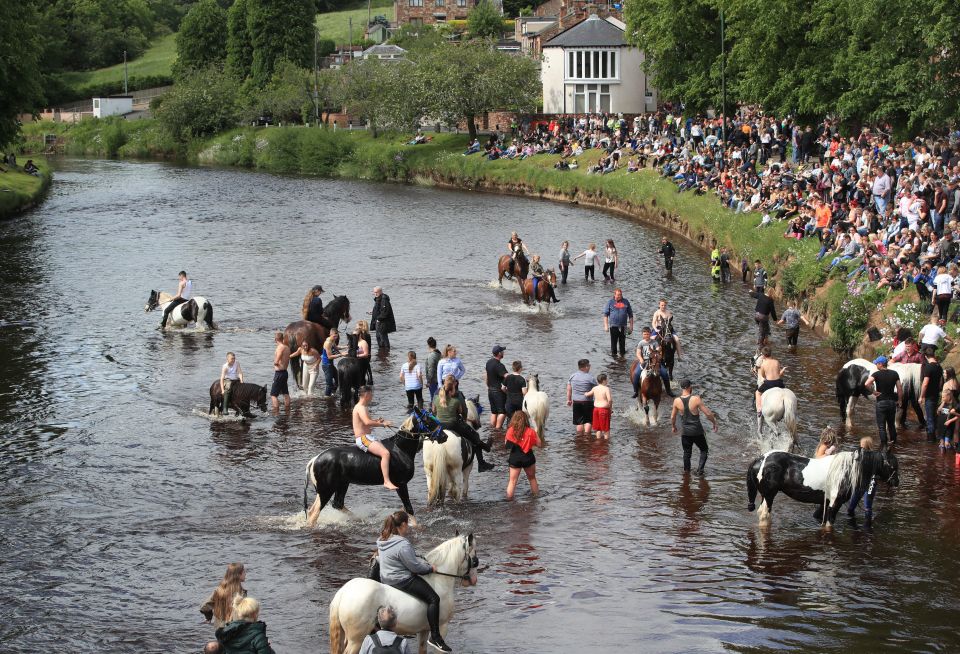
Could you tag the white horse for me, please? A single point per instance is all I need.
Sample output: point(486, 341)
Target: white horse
point(853, 376)
point(353, 611)
point(197, 310)
point(447, 466)
point(779, 406)
point(536, 405)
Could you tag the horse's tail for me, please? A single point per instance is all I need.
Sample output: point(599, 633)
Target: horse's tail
point(841, 399)
point(752, 486)
point(790, 416)
point(208, 314)
point(308, 477)
point(434, 458)
point(338, 639)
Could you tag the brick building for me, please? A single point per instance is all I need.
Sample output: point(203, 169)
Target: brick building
point(431, 12)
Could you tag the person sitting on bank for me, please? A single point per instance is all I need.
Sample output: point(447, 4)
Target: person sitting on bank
point(450, 410)
point(31, 169)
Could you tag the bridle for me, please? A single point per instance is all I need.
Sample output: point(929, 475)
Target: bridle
point(423, 432)
point(473, 562)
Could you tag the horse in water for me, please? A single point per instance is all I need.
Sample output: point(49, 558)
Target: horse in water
point(504, 268)
point(241, 395)
point(332, 471)
point(851, 384)
point(536, 405)
point(297, 332)
point(447, 465)
point(196, 310)
point(829, 481)
point(779, 406)
point(651, 386)
point(351, 374)
point(545, 288)
point(353, 610)
point(668, 348)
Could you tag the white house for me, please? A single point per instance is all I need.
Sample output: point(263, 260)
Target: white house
point(118, 105)
point(590, 68)
point(384, 52)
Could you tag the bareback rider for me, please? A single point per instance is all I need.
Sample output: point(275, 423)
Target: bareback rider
point(537, 272)
point(184, 293)
point(313, 306)
point(662, 323)
point(515, 246)
point(769, 374)
point(645, 348)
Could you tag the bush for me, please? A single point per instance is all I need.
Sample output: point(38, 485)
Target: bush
point(203, 103)
point(850, 311)
point(112, 136)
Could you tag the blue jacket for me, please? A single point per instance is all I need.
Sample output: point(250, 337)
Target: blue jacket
point(619, 313)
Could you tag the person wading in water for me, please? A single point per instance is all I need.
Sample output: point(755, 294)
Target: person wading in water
point(690, 406)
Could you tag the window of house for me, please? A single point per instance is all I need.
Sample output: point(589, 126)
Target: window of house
point(416, 22)
point(591, 98)
point(416, 3)
point(461, 3)
point(592, 64)
point(440, 3)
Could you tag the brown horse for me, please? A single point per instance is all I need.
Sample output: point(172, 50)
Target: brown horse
point(544, 288)
point(302, 331)
point(651, 386)
point(503, 268)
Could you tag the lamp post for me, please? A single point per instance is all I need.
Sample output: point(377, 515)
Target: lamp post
point(316, 79)
point(723, 79)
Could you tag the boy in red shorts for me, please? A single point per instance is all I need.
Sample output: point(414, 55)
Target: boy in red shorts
point(602, 405)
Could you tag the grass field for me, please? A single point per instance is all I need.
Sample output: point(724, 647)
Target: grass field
point(336, 25)
point(18, 189)
point(156, 61)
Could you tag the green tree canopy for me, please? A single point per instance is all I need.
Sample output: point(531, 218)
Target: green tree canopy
point(204, 102)
point(202, 39)
point(386, 93)
point(279, 29)
point(239, 44)
point(484, 21)
point(19, 66)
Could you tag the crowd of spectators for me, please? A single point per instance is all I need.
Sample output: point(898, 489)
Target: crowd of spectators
point(883, 210)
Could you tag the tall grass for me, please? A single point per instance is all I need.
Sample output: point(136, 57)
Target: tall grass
point(18, 189)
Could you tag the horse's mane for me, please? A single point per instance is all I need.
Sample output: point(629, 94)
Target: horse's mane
point(533, 384)
point(335, 306)
point(407, 425)
point(448, 552)
point(843, 475)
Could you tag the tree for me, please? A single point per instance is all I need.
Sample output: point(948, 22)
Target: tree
point(485, 21)
point(19, 66)
point(202, 39)
point(386, 93)
point(204, 102)
point(461, 82)
point(288, 97)
point(279, 29)
point(239, 45)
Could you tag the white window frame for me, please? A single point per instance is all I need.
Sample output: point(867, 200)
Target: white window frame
point(583, 65)
point(416, 3)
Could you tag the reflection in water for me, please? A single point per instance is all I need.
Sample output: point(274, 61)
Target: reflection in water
point(117, 499)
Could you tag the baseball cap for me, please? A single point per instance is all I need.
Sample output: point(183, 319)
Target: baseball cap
point(686, 383)
point(497, 349)
point(880, 359)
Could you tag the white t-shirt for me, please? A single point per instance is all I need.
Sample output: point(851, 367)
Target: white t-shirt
point(931, 334)
point(944, 284)
point(589, 256)
point(411, 378)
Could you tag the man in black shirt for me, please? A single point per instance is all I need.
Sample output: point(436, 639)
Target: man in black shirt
point(932, 375)
point(516, 387)
point(764, 311)
point(668, 253)
point(494, 375)
point(887, 389)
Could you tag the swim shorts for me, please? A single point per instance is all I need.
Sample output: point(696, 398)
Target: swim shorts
point(582, 412)
point(279, 386)
point(601, 418)
point(498, 401)
point(518, 459)
point(770, 383)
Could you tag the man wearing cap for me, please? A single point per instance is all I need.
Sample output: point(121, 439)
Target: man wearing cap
point(888, 390)
point(494, 376)
point(932, 375)
point(690, 406)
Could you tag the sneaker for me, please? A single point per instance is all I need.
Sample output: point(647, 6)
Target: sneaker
point(483, 466)
point(634, 396)
point(437, 642)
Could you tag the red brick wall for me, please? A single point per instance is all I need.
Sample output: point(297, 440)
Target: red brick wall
point(425, 13)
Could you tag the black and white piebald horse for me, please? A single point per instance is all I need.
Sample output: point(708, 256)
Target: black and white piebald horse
point(195, 311)
point(332, 471)
point(851, 382)
point(829, 481)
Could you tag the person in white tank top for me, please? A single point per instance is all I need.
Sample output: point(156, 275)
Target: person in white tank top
point(230, 374)
point(184, 293)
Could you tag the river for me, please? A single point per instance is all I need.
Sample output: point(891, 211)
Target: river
point(121, 506)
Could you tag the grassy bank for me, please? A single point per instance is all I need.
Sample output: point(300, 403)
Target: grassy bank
point(792, 264)
point(20, 191)
point(151, 69)
point(336, 24)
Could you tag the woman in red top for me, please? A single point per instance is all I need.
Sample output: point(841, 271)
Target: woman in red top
point(521, 438)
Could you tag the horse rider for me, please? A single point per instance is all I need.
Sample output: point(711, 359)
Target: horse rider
point(400, 567)
point(537, 272)
point(313, 306)
point(662, 323)
point(363, 425)
point(230, 374)
point(450, 409)
point(515, 246)
point(769, 374)
point(184, 293)
point(645, 347)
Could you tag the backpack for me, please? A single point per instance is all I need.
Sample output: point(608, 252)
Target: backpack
point(392, 648)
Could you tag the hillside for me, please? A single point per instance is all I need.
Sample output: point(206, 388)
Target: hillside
point(156, 61)
point(336, 24)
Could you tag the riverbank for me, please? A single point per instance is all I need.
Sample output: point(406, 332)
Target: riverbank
point(20, 191)
point(840, 314)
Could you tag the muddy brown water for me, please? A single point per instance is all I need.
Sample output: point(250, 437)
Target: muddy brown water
point(121, 506)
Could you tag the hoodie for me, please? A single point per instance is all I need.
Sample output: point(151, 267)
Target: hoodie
point(242, 637)
point(399, 562)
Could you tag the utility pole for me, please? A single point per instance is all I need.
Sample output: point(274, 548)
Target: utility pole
point(368, 14)
point(350, 23)
point(125, 72)
point(316, 79)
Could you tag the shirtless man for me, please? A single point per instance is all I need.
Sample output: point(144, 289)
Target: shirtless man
point(363, 424)
point(281, 359)
point(662, 322)
point(769, 373)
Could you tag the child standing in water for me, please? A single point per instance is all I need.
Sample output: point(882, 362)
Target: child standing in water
point(602, 406)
